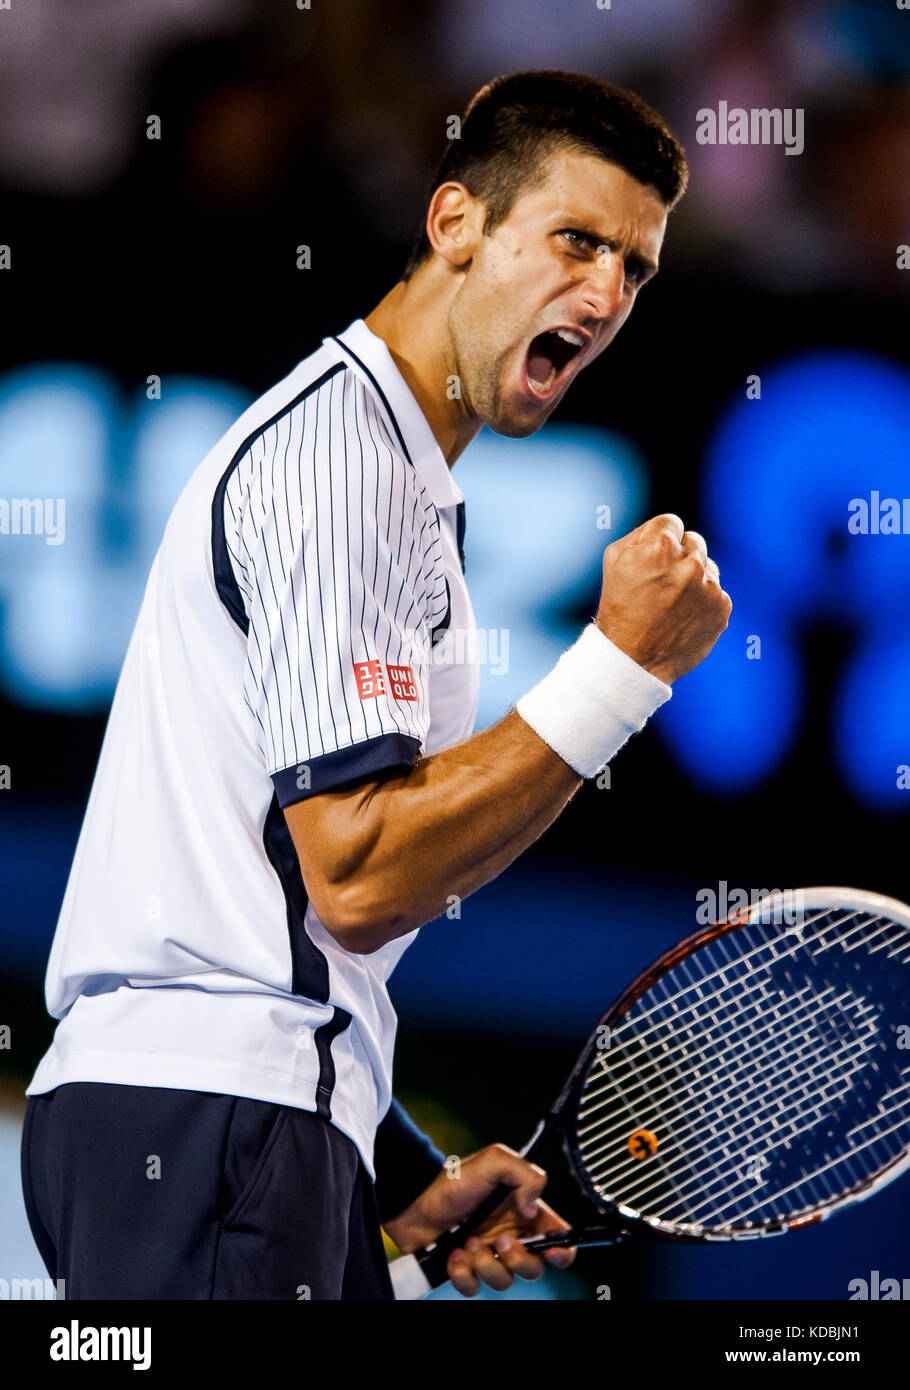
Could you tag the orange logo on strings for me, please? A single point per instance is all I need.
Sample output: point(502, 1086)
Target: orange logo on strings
point(642, 1144)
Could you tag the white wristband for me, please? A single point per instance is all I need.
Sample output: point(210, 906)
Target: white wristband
point(595, 697)
point(408, 1279)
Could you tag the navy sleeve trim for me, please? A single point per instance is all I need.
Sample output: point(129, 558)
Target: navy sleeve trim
point(406, 1162)
point(310, 777)
point(461, 523)
point(443, 626)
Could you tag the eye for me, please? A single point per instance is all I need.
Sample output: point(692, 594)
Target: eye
point(579, 241)
point(636, 273)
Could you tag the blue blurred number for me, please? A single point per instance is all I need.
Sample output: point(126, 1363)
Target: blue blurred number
point(110, 475)
point(780, 476)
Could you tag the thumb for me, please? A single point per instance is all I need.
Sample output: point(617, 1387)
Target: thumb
point(499, 1164)
point(623, 543)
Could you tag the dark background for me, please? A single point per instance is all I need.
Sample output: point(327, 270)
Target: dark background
point(178, 257)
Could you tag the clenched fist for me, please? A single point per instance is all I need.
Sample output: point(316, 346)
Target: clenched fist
point(661, 599)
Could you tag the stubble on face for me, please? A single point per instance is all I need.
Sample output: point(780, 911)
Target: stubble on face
point(524, 280)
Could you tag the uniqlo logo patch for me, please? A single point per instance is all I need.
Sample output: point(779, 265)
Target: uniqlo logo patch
point(401, 682)
point(368, 675)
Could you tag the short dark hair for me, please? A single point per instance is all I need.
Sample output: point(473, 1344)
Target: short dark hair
point(513, 124)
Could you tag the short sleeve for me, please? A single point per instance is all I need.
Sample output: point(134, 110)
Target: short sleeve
point(336, 551)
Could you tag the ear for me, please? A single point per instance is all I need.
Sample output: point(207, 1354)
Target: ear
point(454, 223)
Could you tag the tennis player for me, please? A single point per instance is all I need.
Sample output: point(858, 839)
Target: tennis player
point(289, 788)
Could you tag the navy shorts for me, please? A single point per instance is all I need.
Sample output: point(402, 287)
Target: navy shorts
point(142, 1192)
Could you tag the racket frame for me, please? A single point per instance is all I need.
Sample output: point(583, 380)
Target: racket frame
point(620, 1223)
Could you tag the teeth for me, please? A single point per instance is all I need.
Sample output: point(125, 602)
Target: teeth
point(544, 385)
point(568, 336)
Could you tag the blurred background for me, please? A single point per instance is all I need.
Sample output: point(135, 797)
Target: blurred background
point(762, 384)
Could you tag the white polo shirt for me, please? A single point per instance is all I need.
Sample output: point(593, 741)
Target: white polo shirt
point(285, 645)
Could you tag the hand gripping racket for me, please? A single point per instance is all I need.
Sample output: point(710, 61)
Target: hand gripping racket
point(754, 1080)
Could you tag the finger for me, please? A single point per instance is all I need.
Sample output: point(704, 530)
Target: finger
point(527, 1196)
point(561, 1257)
point(513, 1255)
point(711, 570)
point(630, 538)
point(694, 542)
point(667, 521)
point(461, 1275)
point(499, 1164)
point(486, 1266)
point(548, 1221)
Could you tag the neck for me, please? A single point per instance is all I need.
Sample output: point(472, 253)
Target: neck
point(412, 321)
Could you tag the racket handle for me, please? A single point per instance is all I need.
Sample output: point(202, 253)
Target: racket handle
point(434, 1258)
point(565, 1240)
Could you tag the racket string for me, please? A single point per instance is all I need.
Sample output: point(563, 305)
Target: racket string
point(905, 1086)
point(706, 1198)
point(748, 980)
point(706, 1095)
point(759, 1096)
point(776, 1112)
point(742, 960)
point(797, 1108)
point(659, 1066)
point(894, 1129)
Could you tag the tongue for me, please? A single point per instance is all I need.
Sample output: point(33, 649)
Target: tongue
point(540, 361)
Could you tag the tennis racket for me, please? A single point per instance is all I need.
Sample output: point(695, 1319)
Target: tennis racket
point(754, 1080)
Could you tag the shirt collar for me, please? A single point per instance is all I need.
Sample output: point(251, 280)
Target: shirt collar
point(370, 358)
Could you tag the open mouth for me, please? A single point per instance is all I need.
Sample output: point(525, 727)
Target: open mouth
point(549, 356)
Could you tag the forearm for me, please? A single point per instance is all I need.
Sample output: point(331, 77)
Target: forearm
point(383, 858)
point(454, 822)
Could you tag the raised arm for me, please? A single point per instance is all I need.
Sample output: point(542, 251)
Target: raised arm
point(387, 855)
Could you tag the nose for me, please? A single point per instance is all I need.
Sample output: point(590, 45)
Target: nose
point(602, 292)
